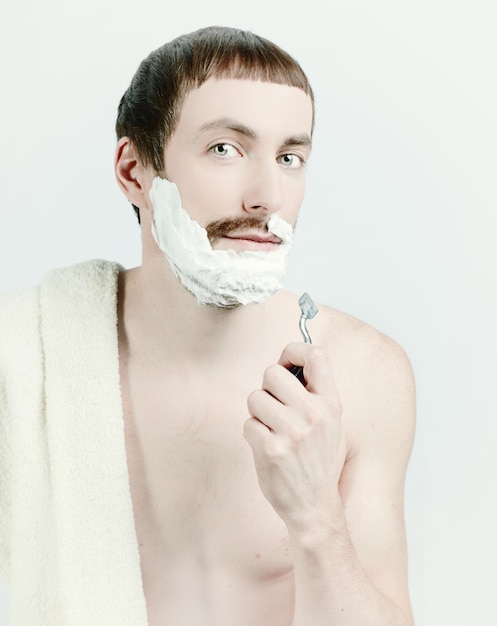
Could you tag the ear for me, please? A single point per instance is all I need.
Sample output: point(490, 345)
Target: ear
point(132, 176)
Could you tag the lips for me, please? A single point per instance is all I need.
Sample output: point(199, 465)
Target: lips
point(257, 237)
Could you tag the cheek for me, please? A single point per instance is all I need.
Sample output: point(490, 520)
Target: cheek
point(208, 193)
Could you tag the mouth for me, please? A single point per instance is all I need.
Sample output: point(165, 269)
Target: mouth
point(255, 236)
point(249, 240)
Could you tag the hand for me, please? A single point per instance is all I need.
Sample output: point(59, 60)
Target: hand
point(295, 434)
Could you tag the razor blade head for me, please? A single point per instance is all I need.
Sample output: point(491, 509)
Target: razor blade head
point(307, 306)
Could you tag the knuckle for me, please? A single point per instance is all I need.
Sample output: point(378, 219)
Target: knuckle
point(318, 422)
point(272, 371)
point(296, 436)
point(319, 414)
point(275, 451)
point(250, 428)
point(317, 354)
point(293, 345)
point(309, 411)
point(252, 399)
point(315, 418)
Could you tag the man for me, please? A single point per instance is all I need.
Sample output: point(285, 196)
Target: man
point(162, 463)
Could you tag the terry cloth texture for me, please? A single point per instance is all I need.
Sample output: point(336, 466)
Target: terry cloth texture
point(68, 544)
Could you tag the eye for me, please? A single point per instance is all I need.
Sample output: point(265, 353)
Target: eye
point(224, 150)
point(292, 161)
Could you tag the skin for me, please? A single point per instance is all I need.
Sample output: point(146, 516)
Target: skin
point(257, 500)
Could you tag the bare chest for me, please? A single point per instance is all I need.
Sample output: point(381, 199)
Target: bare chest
point(202, 522)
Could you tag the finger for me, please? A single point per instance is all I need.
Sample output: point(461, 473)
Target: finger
point(267, 409)
point(254, 430)
point(279, 382)
point(316, 365)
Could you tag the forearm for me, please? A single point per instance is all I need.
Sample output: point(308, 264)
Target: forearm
point(331, 587)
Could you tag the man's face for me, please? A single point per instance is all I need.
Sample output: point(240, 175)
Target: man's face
point(239, 151)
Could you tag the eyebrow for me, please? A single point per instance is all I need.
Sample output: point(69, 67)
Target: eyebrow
point(302, 139)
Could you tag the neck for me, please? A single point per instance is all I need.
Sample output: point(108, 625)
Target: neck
point(159, 316)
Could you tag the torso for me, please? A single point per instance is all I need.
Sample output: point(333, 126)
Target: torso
point(213, 551)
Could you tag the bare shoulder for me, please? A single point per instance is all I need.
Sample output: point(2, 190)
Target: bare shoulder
point(373, 376)
point(360, 345)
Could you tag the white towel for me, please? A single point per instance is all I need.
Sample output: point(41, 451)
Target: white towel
point(68, 544)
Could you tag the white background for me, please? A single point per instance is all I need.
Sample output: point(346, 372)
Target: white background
point(398, 226)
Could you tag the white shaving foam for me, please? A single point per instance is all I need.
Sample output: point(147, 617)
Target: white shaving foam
point(224, 278)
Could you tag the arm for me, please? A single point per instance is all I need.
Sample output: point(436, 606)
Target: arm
point(345, 524)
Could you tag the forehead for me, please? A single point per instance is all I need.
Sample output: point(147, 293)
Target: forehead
point(263, 107)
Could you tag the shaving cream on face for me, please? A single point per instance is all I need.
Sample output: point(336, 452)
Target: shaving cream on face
point(224, 278)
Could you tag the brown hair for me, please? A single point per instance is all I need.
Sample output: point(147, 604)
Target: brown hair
point(149, 109)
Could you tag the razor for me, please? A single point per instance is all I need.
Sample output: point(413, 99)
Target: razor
point(307, 311)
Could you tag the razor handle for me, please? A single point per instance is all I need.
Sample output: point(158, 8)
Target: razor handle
point(298, 372)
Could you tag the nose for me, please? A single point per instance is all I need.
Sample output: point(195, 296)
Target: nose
point(263, 189)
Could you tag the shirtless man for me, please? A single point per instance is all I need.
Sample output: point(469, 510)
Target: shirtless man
point(258, 500)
